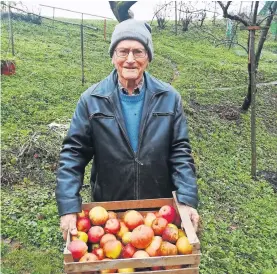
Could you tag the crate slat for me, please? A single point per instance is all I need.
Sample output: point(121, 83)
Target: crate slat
point(186, 223)
point(130, 204)
point(191, 259)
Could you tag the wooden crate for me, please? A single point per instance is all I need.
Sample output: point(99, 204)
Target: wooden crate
point(191, 262)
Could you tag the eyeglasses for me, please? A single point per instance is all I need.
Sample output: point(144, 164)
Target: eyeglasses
point(123, 52)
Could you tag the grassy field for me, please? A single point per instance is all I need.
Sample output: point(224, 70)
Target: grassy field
point(239, 214)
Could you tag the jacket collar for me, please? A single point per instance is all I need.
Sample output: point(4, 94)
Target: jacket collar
point(108, 86)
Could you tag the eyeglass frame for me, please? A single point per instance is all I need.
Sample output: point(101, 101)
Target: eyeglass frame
point(131, 50)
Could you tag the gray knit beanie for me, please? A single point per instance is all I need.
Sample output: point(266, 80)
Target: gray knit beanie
point(132, 29)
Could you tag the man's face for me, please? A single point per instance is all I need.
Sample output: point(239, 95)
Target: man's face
point(132, 66)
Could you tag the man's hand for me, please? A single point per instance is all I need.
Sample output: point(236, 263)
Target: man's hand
point(68, 222)
point(194, 217)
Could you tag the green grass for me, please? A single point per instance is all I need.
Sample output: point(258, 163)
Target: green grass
point(238, 213)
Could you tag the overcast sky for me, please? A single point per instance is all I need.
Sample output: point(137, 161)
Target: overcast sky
point(143, 9)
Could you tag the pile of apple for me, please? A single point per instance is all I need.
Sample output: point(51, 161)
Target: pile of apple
point(103, 236)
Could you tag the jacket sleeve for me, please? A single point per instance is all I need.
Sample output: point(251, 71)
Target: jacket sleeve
point(181, 161)
point(77, 151)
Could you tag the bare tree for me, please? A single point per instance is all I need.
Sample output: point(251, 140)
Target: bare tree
point(162, 13)
point(186, 14)
point(121, 9)
point(246, 21)
point(192, 12)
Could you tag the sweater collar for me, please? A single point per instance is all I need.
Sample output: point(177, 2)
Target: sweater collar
point(136, 90)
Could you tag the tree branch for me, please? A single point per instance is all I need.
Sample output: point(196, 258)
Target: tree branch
point(264, 32)
point(232, 17)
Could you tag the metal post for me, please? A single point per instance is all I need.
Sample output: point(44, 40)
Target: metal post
point(253, 103)
point(175, 17)
point(82, 53)
point(11, 30)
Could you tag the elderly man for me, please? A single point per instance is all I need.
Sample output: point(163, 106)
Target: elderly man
point(133, 127)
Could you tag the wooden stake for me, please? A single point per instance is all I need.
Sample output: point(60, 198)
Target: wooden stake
point(253, 103)
point(82, 53)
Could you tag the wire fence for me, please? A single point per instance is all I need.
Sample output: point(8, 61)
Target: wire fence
point(76, 38)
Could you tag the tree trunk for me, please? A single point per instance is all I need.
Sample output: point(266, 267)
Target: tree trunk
point(247, 101)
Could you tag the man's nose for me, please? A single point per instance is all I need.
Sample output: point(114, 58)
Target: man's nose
point(130, 57)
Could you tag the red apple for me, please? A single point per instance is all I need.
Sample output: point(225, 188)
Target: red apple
point(149, 218)
point(153, 248)
point(78, 249)
point(98, 215)
point(159, 226)
point(99, 252)
point(112, 226)
point(167, 249)
point(123, 230)
point(83, 224)
point(95, 234)
point(142, 236)
point(89, 257)
point(106, 238)
point(168, 212)
point(132, 219)
point(170, 234)
point(128, 251)
point(81, 235)
point(112, 215)
point(112, 249)
point(178, 220)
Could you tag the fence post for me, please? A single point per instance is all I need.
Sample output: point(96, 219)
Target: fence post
point(82, 52)
point(105, 29)
point(11, 30)
point(253, 103)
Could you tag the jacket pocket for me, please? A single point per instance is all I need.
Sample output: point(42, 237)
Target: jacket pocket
point(157, 114)
point(100, 115)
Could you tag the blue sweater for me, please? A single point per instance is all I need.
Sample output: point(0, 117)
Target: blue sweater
point(132, 110)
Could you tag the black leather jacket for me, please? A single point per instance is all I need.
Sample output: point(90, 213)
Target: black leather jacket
point(163, 162)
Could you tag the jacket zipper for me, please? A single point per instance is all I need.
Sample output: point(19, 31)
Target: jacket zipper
point(139, 144)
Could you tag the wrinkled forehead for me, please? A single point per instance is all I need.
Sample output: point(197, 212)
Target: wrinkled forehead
point(130, 44)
